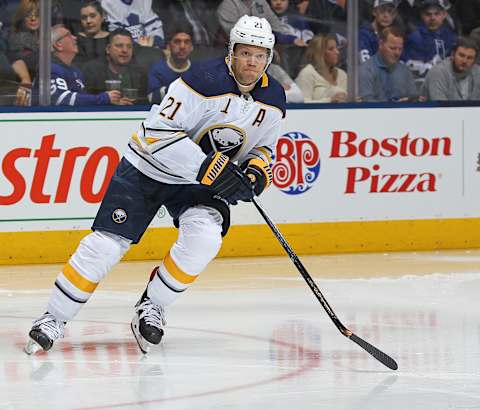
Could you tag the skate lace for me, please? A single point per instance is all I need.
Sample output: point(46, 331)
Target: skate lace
point(49, 325)
point(153, 315)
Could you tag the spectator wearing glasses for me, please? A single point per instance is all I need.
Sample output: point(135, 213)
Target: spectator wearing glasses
point(432, 41)
point(24, 44)
point(131, 80)
point(67, 83)
point(92, 39)
point(456, 78)
point(177, 62)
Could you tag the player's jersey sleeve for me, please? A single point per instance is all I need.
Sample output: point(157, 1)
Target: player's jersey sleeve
point(163, 138)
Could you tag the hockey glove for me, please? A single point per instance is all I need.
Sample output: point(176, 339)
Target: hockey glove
point(260, 174)
point(225, 178)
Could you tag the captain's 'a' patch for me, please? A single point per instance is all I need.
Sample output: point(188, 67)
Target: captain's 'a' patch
point(226, 139)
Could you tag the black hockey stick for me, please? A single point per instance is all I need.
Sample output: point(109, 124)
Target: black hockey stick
point(376, 353)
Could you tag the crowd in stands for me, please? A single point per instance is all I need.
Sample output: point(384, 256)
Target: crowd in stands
point(126, 52)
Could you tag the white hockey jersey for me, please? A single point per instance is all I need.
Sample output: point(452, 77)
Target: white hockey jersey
point(203, 112)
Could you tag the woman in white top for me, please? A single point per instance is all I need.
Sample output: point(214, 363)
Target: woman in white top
point(321, 80)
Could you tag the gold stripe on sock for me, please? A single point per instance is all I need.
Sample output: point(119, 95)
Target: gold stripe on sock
point(176, 272)
point(78, 280)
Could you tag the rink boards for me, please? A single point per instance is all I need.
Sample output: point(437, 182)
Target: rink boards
point(345, 180)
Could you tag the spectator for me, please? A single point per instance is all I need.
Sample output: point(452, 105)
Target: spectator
point(23, 41)
point(468, 13)
point(432, 41)
point(384, 13)
point(8, 83)
point(383, 77)
point(165, 71)
point(321, 80)
point(293, 93)
point(296, 20)
point(137, 17)
point(455, 78)
point(67, 85)
point(328, 16)
point(229, 11)
point(117, 66)
point(93, 39)
point(200, 14)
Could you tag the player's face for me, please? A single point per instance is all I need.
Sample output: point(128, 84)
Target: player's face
point(384, 15)
point(180, 46)
point(433, 17)
point(463, 59)
point(249, 63)
point(279, 6)
point(91, 20)
point(331, 53)
point(391, 49)
point(120, 50)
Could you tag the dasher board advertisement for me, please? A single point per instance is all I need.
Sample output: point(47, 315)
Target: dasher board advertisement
point(330, 165)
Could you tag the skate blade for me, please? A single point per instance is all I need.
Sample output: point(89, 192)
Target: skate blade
point(142, 343)
point(32, 347)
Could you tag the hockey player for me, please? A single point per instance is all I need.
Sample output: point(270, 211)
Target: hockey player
point(207, 145)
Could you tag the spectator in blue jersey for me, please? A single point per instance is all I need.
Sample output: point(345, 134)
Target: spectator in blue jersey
point(383, 77)
point(294, 18)
point(118, 65)
point(137, 17)
point(67, 84)
point(177, 62)
point(432, 41)
point(384, 13)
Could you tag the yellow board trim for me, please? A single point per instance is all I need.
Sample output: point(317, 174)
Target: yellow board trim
point(178, 274)
point(78, 280)
point(305, 238)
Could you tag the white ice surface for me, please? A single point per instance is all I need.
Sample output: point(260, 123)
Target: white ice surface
point(255, 347)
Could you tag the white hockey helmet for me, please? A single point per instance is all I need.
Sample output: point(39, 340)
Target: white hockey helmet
point(253, 31)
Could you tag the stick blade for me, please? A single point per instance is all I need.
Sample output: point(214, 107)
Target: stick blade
point(376, 353)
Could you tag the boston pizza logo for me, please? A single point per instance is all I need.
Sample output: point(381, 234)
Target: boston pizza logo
point(296, 163)
point(119, 216)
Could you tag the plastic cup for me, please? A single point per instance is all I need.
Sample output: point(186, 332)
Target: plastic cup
point(111, 85)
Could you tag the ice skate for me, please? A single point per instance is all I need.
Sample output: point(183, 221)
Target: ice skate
point(45, 330)
point(148, 323)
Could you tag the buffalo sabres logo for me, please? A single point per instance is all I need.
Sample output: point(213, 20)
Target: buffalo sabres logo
point(226, 139)
point(119, 216)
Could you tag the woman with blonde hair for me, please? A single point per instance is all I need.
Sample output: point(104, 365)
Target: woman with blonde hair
point(24, 46)
point(321, 80)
